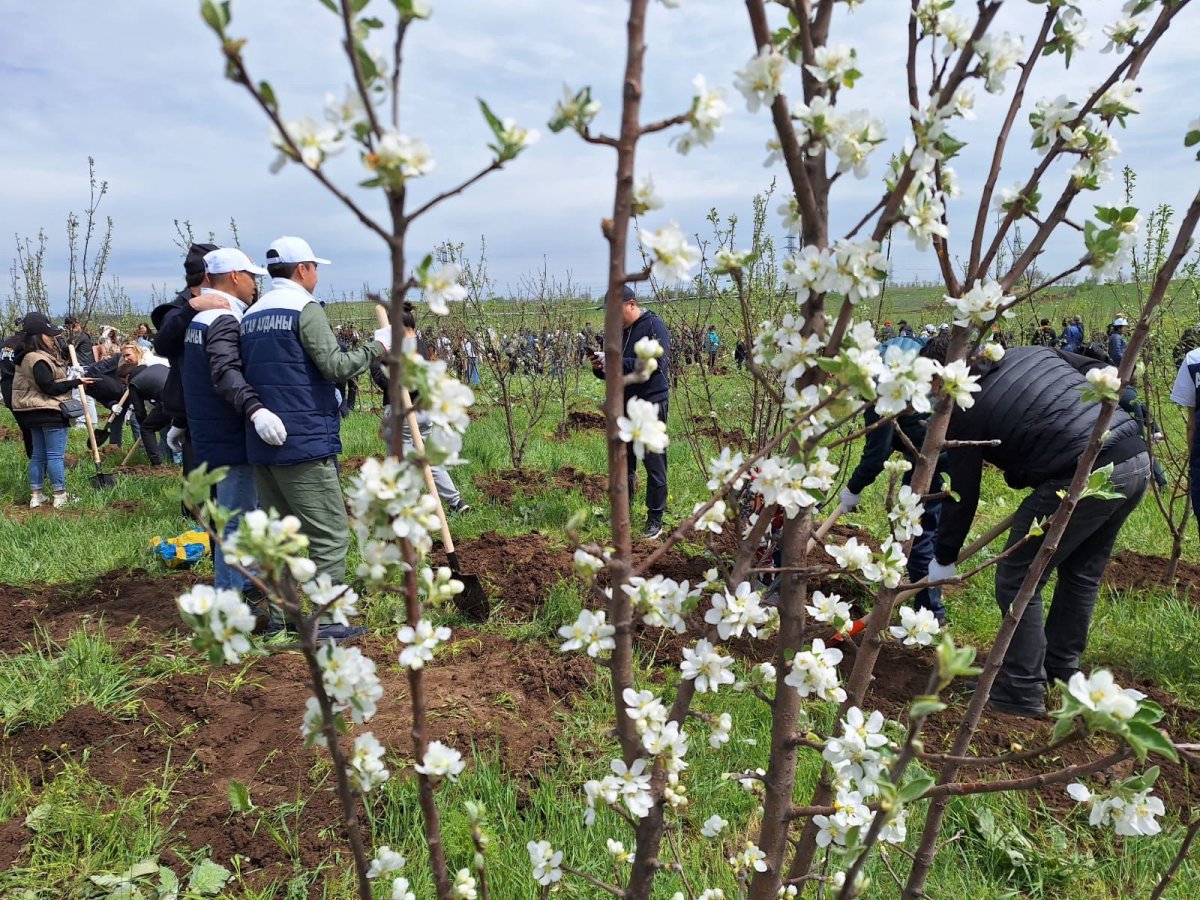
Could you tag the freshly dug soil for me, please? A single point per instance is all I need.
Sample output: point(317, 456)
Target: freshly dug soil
point(518, 572)
point(164, 471)
point(502, 486)
point(583, 419)
point(902, 673)
point(1129, 570)
point(705, 426)
point(498, 696)
point(594, 487)
point(121, 597)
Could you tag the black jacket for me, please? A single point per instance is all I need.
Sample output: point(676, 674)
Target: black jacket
point(1030, 401)
point(146, 385)
point(224, 346)
point(655, 389)
point(172, 320)
point(8, 365)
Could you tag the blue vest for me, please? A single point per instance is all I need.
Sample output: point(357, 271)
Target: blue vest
point(287, 382)
point(217, 430)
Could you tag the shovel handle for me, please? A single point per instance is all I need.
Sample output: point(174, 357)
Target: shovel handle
point(823, 528)
point(414, 432)
point(87, 415)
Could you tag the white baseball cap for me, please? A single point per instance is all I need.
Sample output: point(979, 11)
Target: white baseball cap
point(292, 250)
point(1120, 320)
point(230, 259)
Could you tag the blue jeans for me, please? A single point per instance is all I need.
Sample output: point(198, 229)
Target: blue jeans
point(236, 492)
point(49, 452)
point(472, 370)
point(921, 555)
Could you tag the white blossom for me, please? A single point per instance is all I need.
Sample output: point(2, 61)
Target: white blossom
point(959, 383)
point(674, 258)
point(545, 861)
point(1100, 692)
point(917, 627)
point(398, 157)
point(713, 826)
point(464, 886)
point(741, 611)
point(589, 632)
point(761, 78)
point(422, 641)
point(720, 731)
point(641, 427)
point(998, 53)
point(706, 117)
point(644, 198)
point(386, 861)
point(441, 762)
point(440, 286)
point(814, 672)
point(706, 667)
point(315, 140)
point(366, 763)
point(749, 858)
point(350, 680)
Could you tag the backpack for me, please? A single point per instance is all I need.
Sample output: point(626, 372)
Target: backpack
point(1096, 348)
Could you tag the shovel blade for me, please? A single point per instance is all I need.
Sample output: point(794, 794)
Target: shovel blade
point(473, 601)
point(102, 436)
point(103, 481)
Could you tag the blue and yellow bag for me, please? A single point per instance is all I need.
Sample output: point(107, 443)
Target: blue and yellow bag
point(181, 552)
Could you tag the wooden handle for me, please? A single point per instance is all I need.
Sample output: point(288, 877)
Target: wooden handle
point(381, 317)
point(824, 527)
point(129, 455)
point(87, 415)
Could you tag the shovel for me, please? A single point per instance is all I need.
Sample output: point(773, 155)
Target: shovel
point(103, 434)
point(472, 602)
point(100, 479)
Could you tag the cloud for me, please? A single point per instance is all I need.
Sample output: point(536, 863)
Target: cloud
point(143, 92)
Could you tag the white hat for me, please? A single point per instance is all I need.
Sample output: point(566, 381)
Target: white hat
point(1119, 321)
point(230, 259)
point(292, 250)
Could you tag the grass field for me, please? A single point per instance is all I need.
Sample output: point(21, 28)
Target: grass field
point(120, 745)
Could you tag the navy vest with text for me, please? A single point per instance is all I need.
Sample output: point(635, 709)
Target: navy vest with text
point(217, 430)
point(287, 382)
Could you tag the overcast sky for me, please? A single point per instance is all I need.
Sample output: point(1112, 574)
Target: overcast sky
point(139, 86)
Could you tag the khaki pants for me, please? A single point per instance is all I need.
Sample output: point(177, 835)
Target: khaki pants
point(311, 492)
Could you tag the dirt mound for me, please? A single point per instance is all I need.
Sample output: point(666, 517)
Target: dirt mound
point(583, 419)
point(156, 471)
point(706, 426)
point(902, 673)
point(517, 571)
point(1129, 570)
point(122, 597)
point(502, 486)
point(594, 487)
point(499, 696)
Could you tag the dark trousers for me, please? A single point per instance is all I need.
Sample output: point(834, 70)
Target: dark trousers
point(656, 475)
point(1082, 556)
point(154, 428)
point(921, 555)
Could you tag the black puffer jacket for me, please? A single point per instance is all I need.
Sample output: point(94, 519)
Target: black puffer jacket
point(172, 320)
point(1030, 402)
point(656, 388)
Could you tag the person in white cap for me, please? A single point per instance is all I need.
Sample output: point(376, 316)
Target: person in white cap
point(294, 362)
point(219, 402)
point(1116, 340)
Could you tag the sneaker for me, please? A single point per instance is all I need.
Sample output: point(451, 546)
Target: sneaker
point(460, 508)
point(62, 498)
point(1001, 702)
point(654, 528)
point(36, 499)
point(1063, 675)
point(339, 634)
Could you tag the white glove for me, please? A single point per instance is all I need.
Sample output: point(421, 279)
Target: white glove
point(849, 499)
point(175, 438)
point(269, 427)
point(384, 336)
point(939, 572)
point(117, 409)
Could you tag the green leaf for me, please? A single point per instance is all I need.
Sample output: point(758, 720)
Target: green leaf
point(915, 788)
point(357, 6)
point(268, 95)
point(239, 797)
point(208, 878)
point(331, 6)
point(1192, 139)
point(1064, 726)
point(925, 706)
point(494, 123)
point(168, 884)
point(214, 16)
point(1148, 739)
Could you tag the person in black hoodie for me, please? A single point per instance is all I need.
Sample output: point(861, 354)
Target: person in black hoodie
point(1031, 402)
point(8, 370)
point(146, 383)
point(638, 324)
point(172, 319)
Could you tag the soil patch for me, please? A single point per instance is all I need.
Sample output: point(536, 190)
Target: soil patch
point(594, 487)
point(22, 513)
point(502, 486)
point(583, 419)
point(122, 597)
point(902, 673)
point(519, 572)
point(706, 426)
point(155, 471)
point(499, 696)
point(1129, 570)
